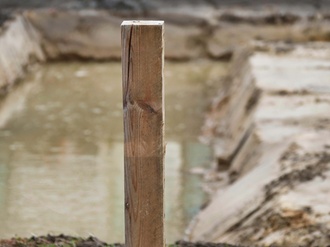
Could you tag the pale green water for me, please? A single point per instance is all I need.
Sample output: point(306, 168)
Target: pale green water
point(61, 149)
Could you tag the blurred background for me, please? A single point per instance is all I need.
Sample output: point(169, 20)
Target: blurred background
point(227, 64)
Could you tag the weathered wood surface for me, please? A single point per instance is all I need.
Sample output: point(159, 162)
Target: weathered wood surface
point(142, 61)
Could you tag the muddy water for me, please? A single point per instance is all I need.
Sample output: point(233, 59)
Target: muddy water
point(61, 149)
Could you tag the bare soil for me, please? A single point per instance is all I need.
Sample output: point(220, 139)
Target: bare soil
point(68, 241)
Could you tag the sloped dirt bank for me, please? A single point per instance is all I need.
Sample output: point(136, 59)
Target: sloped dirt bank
point(276, 146)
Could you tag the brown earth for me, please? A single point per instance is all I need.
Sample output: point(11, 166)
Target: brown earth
point(68, 241)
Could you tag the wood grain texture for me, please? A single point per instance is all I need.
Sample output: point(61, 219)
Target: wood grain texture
point(142, 61)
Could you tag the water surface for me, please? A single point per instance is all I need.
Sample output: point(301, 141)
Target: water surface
point(61, 149)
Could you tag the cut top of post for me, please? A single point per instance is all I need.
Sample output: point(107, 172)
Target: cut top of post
point(142, 23)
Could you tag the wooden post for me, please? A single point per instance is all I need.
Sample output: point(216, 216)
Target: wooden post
point(142, 61)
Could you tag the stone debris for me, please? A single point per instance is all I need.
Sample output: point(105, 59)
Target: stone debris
point(277, 147)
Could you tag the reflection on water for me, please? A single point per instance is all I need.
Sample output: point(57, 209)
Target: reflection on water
point(61, 150)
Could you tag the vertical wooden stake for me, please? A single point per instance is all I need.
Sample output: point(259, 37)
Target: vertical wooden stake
point(142, 61)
